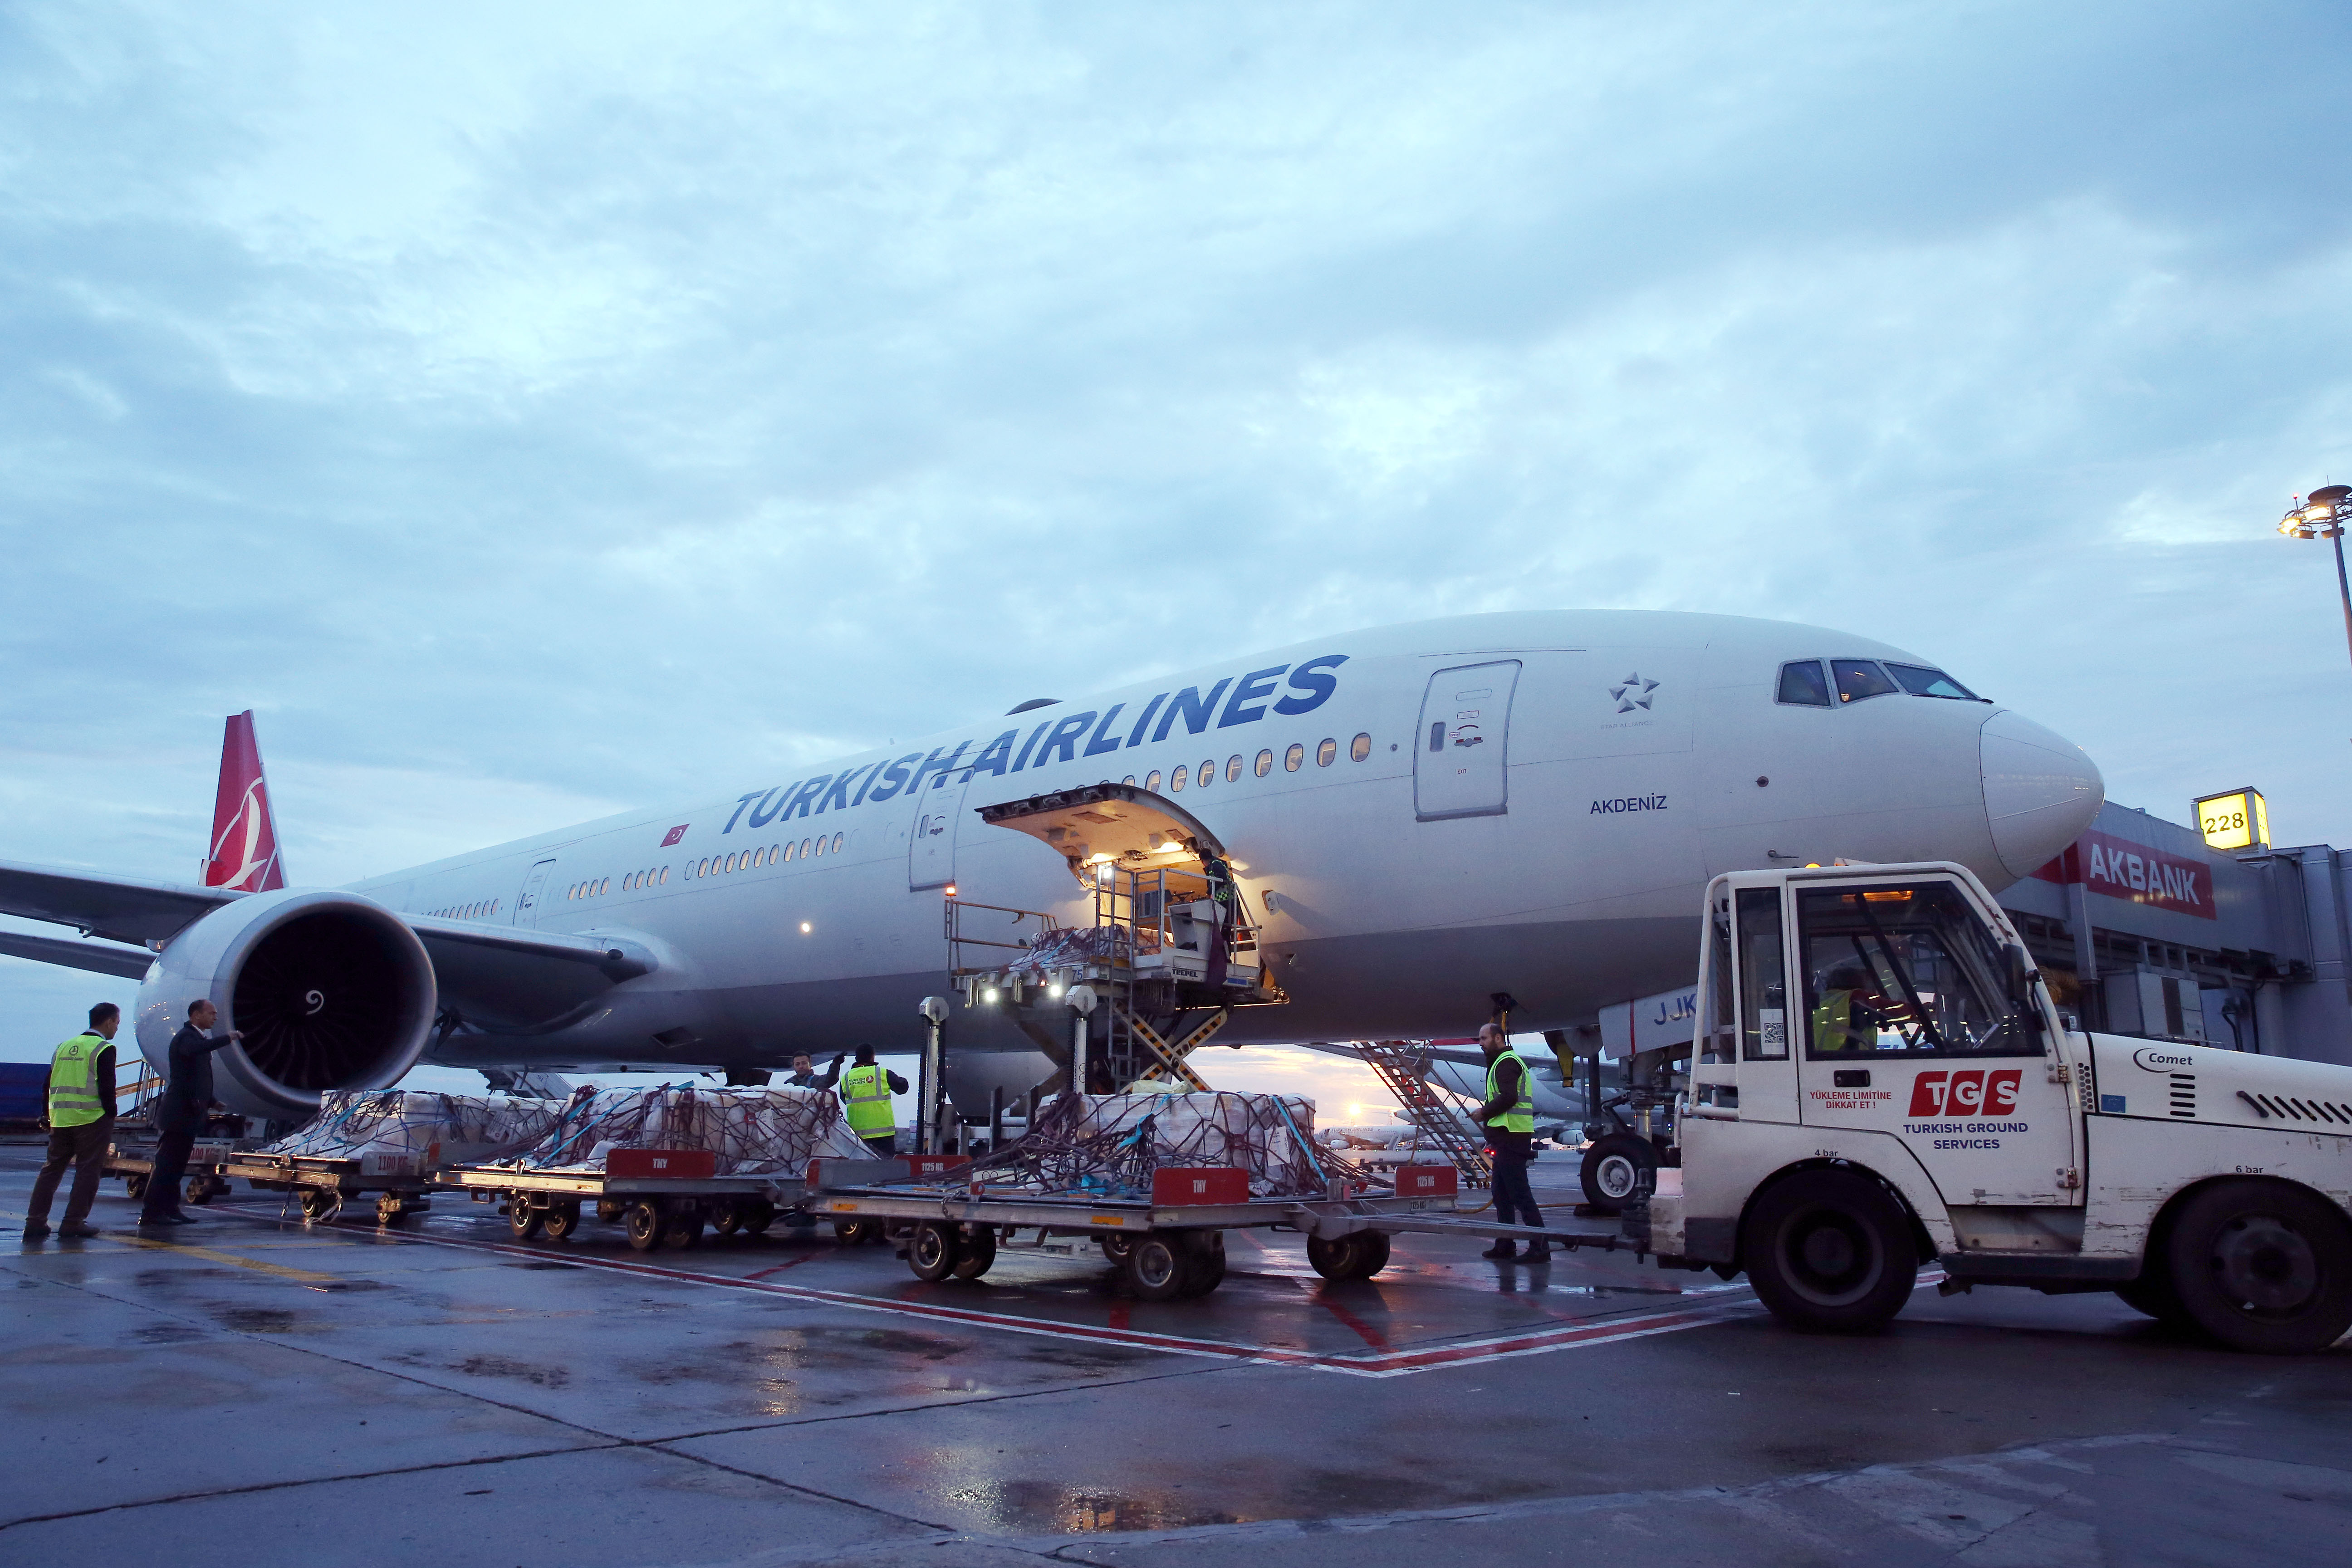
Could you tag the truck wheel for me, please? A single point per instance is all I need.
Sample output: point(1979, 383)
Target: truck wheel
point(1829, 1252)
point(976, 1251)
point(643, 1220)
point(1155, 1266)
point(1204, 1258)
point(1340, 1256)
point(931, 1251)
point(1372, 1254)
point(561, 1221)
point(320, 1204)
point(855, 1232)
point(2262, 1268)
point(1613, 1168)
point(1117, 1247)
point(134, 1186)
point(200, 1190)
point(524, 1220)
point(726, 1217)
point(758, 1217)
point(2152, 1293)
point(682, 1226)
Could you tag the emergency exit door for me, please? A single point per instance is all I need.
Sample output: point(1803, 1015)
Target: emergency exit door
point(526, 905)
point(1461, 749)
point(930, 847)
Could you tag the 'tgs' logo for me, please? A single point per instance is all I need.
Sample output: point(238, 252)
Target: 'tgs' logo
point(1971, 1092)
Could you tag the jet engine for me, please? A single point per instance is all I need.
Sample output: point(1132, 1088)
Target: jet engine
point(332, 991)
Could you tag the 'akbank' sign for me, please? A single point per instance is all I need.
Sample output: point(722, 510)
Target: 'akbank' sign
point(2136, 873)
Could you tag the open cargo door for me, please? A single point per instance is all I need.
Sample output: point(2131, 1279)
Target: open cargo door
point(1110, 824)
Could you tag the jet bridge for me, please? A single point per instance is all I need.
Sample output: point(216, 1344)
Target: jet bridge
point(1172, 951)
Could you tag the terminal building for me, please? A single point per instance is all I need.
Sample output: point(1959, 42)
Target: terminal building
point(2206, 935)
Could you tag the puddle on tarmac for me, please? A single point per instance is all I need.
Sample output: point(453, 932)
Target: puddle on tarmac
point(1085, 1510)
point(501, 1367)
point(256, 1319)
point(169, 1334)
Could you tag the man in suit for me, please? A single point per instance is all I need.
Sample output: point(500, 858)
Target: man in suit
point(181, 1110)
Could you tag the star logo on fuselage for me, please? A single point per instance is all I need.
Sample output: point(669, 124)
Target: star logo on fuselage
point(1632, 692)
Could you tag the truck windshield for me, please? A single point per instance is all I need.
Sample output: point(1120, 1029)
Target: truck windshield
point(1905, 968)
point(1921, 682)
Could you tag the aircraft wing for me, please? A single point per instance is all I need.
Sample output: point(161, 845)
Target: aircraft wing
point(120, 909)
point(502, 977)
point(97, 957)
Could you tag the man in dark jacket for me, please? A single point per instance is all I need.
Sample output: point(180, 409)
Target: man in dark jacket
point(181, 1111)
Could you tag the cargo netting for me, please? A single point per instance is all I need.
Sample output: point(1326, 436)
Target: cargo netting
point(750, 1132)
point(1109, 1144)
point(1071, 946)
point(395, 1132)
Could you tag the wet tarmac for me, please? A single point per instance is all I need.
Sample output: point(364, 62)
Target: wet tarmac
point(253, 1390)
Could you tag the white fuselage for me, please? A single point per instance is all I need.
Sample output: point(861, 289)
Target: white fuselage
point(1592, 770)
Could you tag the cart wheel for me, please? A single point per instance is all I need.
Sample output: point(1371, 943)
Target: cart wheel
point(562, 1221)
point(759, 1218)
point(2263, 1267)
point(682, 1226)
point(523, 1219)
point(643, 1221)
point(1338, 1257)
point(1612, 1170)
point(726, 1217)
point(1372, 1254)
point(134, 1186)
point(390, 1210)
point(1204, 1261)
point(1155, 1266)
point(1830, 1251)
point(1117, 1247)
point(200, 1190)
point(855, 1232)
point(932, 1250)
point(610, 1210)
point(320, 1204)
point(977, 1251)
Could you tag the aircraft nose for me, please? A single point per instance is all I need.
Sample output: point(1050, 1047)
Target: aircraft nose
point(2041, 791)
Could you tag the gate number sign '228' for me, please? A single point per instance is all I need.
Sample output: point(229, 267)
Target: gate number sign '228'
point(1971, 1092)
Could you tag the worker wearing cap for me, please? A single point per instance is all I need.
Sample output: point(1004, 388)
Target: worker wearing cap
point(81, 1125)
point(866, 1091)
point(1509, 1119)
point(182, 1110)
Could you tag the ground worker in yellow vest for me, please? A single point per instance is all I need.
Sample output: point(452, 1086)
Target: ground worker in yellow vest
point(866, 1091)
point(81, 1125)
point(1508, 1119)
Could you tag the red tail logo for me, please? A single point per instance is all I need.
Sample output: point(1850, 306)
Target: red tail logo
point(244, 834)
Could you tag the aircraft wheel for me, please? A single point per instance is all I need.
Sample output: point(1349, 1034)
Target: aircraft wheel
point(644, 1222)
point(933, 1250)
point(562, 1221)
point(682, 1226)
point(757, 1217)
point(1612, 1170)
point(523, 1219)
point(1829, 1252)
point(1155, 1266)
point(134, 1186)
point(977, 1250)
point(2263, 1267)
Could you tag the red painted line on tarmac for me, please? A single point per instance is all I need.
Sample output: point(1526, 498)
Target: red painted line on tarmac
point(793, 1263)
point(1121, 1314)
point(1364, 1330)
point(1386, 1361)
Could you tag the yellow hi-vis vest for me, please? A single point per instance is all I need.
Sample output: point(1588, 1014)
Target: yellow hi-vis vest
point(1521, 1116)
point(865, 1096)
point(73, 1081)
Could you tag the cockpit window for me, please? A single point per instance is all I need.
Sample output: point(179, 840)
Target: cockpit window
point(1803, 683)
point(1860, 677)
point(1921, 682)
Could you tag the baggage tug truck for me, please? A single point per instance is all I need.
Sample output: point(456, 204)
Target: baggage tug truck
point(1879, 1077)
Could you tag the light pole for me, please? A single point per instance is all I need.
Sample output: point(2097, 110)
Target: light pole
point(2322, 514)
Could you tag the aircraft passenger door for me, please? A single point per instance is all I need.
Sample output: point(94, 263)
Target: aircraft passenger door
point(526, 905)
point(931, 847)
point(1461, 752)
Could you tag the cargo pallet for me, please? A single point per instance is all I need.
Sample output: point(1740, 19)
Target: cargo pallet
point(1168, 1245)
point(662, 1198)
point(323, 1183)
point(136, 1166)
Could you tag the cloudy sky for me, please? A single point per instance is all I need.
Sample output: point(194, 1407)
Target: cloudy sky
point(535, 411)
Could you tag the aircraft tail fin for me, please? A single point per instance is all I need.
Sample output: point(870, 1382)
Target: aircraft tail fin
point(243, 855)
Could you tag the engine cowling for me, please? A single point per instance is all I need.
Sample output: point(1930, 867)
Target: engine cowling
point(332, 991)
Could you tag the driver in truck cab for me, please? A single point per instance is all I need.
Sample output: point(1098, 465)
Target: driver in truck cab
point(1850, 1009)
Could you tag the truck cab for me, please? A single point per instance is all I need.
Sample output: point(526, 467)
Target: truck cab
point(1880, 1078)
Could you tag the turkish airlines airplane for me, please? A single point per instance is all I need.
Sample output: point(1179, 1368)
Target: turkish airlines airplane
point(1368, 836)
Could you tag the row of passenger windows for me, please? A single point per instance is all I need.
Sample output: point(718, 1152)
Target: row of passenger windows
point(1804, 685)
point(774, 854)
point(472, 911)
point(1327, 752)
